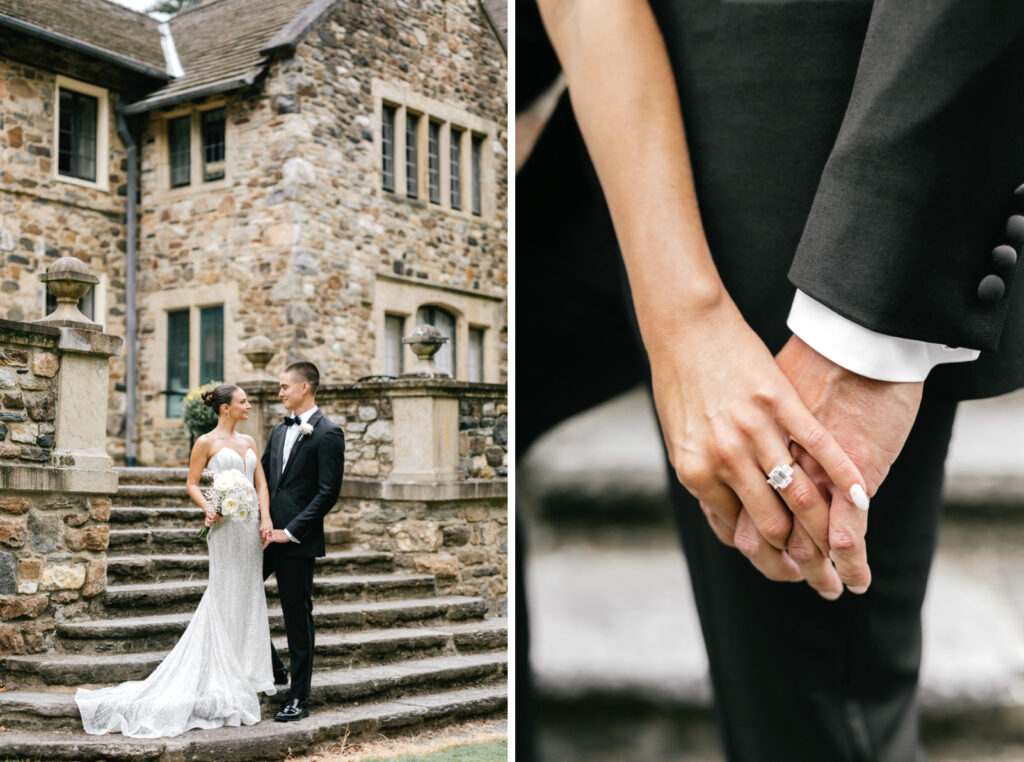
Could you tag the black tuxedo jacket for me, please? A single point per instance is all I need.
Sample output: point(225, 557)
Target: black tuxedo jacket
point(308, 488)
point(866, 152)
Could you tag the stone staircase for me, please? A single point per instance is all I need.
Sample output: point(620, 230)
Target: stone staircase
point(391, 654)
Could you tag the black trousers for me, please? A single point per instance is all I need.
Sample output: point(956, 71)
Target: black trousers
point(295, 590)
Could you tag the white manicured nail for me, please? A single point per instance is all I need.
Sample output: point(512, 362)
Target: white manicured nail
point(857, 589)
point(828, 595)
point(859, 497)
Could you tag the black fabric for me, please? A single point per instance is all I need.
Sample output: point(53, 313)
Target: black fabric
point(309, 486)
point(294, 575)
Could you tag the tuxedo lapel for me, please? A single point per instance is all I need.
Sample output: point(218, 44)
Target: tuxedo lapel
point(292, 456)
point(276, 454)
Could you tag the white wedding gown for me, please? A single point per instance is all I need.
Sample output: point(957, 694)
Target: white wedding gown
point(211, 677)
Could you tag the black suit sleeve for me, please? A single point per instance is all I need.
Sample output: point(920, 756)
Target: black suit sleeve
point(331, 468)
point(919, 186)
point(265, 458)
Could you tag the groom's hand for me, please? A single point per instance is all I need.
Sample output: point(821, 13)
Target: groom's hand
point(277, 535)
point(871, 421)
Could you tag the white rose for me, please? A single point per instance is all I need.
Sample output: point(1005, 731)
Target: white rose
point(305, 429)
point(229, 506)
point(222, 481)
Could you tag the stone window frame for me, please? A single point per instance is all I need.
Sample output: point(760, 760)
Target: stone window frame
point(155, 306)
point(403, 98)
point(403, 296)
point(162, 148)
point(101, 94)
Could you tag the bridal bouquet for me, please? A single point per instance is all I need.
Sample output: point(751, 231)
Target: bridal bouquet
point(231, 496)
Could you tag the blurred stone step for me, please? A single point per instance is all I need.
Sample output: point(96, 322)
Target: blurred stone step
point(181, 517)
point(58, 711)
point(150, 475)
point(148, 495)
point(160, 568)
point(164, 540)
point(267, 740)
point(161, 631)
point(173, 596)
point(332, 650)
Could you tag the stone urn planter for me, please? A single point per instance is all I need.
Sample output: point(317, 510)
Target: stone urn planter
point(69, 280)
point(424, 342)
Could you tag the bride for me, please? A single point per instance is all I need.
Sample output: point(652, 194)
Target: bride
point(212, 676)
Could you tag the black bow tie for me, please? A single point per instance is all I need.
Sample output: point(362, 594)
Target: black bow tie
point(293, 420)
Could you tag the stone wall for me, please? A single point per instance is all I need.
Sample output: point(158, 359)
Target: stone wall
point(28, 387)
point(52, 563)
point(54, 505)
point(464, 542)
point(483, 436)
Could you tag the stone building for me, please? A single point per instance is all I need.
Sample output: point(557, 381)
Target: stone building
point(327, 173)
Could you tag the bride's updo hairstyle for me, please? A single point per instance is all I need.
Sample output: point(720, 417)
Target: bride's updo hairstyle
point(219, 395)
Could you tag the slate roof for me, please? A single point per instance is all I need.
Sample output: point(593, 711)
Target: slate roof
point(223, 44)
point(497, 14)
point(96, 27)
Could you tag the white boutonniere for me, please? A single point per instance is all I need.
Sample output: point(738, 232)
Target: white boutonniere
point(305, 429)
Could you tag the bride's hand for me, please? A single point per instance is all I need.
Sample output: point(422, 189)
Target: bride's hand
point(728, 413)
point(266, 527)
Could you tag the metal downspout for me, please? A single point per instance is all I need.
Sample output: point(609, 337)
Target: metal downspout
point(131, 318)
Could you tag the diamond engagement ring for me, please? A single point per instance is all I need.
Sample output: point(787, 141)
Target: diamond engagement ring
point(781, 476)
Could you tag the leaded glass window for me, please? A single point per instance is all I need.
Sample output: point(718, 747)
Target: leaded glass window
point(387, 131)
point(76, 150)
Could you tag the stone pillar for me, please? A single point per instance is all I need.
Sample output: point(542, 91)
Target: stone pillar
point(426, 430)
point(56, 477)
point(261, 391)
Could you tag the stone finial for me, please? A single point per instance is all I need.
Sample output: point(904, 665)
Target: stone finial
point(259, 350)
point(424, 341)
point(69, 280)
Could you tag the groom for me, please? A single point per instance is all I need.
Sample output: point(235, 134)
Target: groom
point(304, 462)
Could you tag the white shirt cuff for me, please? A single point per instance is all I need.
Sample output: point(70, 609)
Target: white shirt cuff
point(290, 537)
point(861, 350)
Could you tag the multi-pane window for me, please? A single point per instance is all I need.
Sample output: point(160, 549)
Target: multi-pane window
point(412, 123)
point(394, 327)
point(475, 358)
point(212, 132)
point(211, 344)
point(179, 139)
point(476, 149)
point(443, 321)
point(387, 130)
point(434, 161)
point(177, 360)
point(455, 167)
point(77, 135)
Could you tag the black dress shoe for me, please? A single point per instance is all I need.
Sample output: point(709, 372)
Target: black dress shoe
point(294, 709)
point(281, 678)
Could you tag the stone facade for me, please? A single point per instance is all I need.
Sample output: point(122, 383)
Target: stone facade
point(299, 241)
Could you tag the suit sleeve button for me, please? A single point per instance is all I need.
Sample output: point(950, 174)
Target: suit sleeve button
point(1015, 230)
point(1004, 259)
point(991, 289)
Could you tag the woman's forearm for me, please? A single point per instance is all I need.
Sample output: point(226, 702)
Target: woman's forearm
point(624, 97)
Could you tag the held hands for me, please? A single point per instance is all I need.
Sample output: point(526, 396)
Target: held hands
point(728, 414)
point(269, 534)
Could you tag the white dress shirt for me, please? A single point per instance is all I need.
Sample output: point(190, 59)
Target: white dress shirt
point(291, 436)
point(869, 353)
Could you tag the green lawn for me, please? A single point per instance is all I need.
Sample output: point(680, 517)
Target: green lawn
point(492, 751)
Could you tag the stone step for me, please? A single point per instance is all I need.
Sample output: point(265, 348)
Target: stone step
point(131, 541)
point(178, 595)
point(58, 711)
point(150, 516)
point(160, 568)
point(150, 475)
point(333, 650)
point(161, 631)
point(268, 739)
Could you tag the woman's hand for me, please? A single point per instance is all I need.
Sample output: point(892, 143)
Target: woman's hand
point(266, 527)
point(728, 415)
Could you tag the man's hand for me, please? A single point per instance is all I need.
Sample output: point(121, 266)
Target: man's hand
point(274, 535)
point(871, 421)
